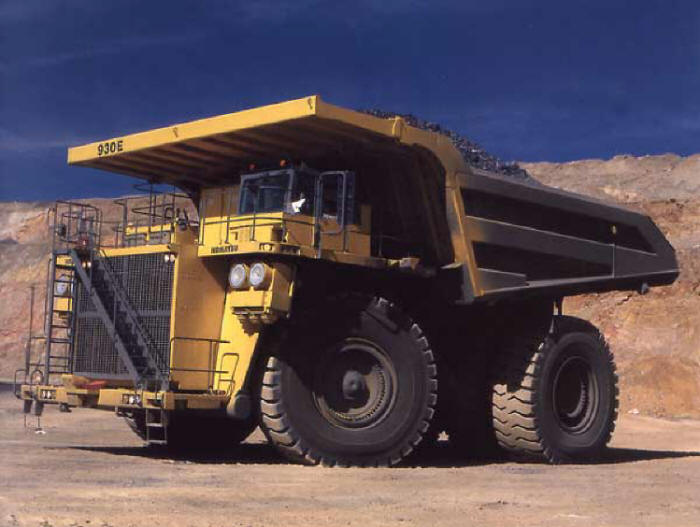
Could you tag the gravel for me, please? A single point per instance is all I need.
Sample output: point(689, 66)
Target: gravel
point(473, 154)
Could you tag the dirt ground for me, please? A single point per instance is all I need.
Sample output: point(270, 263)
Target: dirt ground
point(89, 470)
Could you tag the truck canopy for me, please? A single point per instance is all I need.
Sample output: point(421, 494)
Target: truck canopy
point(204, 152)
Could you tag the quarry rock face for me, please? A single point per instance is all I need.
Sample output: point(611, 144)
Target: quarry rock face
point(655, 338)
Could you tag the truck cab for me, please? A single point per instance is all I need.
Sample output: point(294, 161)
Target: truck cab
point(296, 209)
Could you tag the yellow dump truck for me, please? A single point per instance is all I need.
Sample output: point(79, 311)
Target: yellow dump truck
point(348, 283)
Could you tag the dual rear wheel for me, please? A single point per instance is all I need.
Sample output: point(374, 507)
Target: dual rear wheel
point(555, 399)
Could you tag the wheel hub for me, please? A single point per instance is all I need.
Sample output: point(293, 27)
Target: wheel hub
point(355, 385)
point(575, 398)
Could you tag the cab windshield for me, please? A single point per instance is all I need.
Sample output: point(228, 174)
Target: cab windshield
point(264, 193)
point(289, 191)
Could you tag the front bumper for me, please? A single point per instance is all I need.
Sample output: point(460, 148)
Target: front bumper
point(120, 398)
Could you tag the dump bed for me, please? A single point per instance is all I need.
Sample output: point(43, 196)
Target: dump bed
point(485, 234)
point(541, 239)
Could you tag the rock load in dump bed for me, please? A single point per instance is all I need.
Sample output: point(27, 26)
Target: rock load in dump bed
point(473, 154)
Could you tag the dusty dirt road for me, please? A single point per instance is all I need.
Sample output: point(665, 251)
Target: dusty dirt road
point(90, 470)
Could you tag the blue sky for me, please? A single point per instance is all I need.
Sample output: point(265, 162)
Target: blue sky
point(529, 80)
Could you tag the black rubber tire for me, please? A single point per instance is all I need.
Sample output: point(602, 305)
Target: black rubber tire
point(526, 394)
point(292, 417)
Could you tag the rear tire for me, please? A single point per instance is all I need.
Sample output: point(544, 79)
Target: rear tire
point(354, 385)
point(555, 399)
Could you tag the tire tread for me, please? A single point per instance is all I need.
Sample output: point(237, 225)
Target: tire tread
point(514, 406)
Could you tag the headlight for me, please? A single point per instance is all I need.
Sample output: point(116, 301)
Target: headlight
point(62, 285)
point(237, 276)
point(260, 275)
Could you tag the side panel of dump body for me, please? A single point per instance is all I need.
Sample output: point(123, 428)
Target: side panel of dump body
point(531, 238)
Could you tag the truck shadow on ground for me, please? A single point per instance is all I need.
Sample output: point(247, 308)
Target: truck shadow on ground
point(441, 456)
point(247, 453)
point(444, 456)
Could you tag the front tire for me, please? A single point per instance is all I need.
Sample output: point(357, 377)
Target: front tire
point(354, 385)
point(555, 399)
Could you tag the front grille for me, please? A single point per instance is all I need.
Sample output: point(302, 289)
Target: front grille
point(147, 280)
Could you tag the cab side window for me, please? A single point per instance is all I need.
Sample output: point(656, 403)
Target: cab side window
point(304, 194)
point(331, 190)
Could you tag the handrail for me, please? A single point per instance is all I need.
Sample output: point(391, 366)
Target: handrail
point(15, 384)
point(267, 221)
point(254, 222)
point(246, 218)
point(158, 214)
point(217, 341)
point(211, 370)
point(73, 223)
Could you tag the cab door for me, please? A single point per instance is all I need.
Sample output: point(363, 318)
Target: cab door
point(336, 216)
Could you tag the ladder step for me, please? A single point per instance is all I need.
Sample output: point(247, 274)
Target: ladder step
point(155, 425)
point(157, 442)
point(55, 340)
